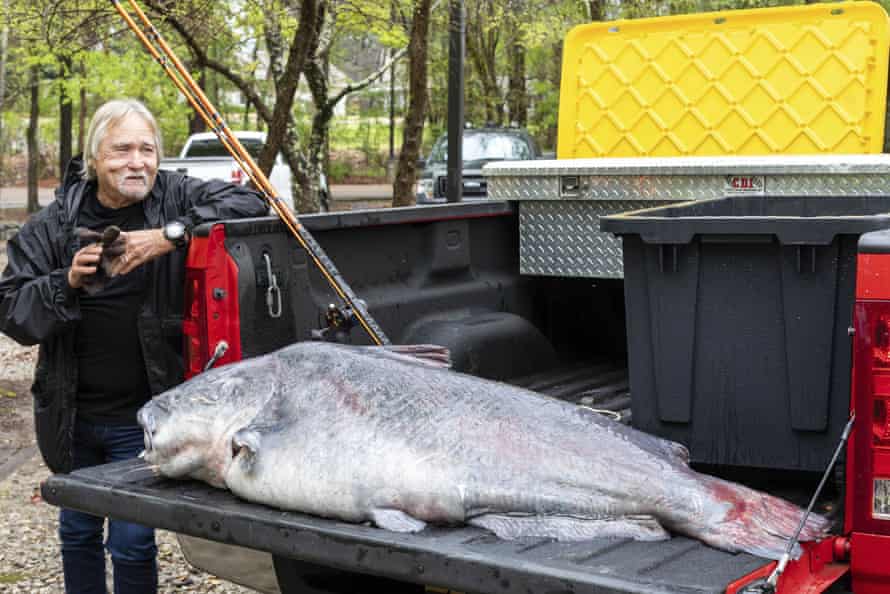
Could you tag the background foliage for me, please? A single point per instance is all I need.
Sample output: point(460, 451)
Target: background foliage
point(83, 55)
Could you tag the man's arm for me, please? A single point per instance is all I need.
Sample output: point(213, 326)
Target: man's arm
point(214, 200)
point(197, 202)
point(36, 299)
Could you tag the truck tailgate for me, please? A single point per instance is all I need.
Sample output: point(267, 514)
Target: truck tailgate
point(466, 559)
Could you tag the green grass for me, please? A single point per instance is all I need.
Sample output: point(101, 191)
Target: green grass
point(370, 134)
point(342, 172)
point(360, 148)
point(12, 578)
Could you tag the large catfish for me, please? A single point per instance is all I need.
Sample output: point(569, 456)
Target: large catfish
point(368, 434)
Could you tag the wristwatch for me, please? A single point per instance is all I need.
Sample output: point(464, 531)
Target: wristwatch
point(176, 233)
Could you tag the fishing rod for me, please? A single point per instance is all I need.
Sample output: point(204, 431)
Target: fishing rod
point(176, 71)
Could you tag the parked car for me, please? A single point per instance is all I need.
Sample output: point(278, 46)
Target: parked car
point(205, 157)
point(480, 146)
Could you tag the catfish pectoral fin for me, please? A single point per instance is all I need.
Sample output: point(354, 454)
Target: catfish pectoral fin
point(245, 447)
point(396, 520)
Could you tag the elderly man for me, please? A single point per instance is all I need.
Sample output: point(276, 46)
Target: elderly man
point(107, 347)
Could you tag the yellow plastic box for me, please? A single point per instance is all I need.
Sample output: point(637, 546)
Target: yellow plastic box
point(790, 80)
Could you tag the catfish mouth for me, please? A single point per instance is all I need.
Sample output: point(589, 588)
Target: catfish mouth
point(150, 418)
point(149, 426)
point(187, 455)
point(146, 440)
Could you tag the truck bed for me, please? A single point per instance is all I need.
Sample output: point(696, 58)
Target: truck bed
point(466, 559)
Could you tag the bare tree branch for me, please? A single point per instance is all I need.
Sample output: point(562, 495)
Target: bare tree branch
point(352, 87)
point(204, 60)
point(304, 41)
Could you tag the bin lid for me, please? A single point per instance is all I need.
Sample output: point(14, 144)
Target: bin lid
point(788, 80)
point(791, 220)
point(800, 165)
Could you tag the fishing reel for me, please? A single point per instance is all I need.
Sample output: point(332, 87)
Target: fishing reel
point(338, 324)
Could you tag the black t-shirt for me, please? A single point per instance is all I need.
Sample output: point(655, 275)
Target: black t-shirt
point(112, 382)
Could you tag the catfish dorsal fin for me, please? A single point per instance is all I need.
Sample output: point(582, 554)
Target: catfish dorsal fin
point(430, 355)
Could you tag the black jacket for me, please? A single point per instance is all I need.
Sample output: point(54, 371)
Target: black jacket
point(38, 306)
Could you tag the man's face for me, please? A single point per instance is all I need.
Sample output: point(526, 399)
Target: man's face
point(127, 162)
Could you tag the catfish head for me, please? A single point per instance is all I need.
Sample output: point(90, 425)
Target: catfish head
point(188, 429)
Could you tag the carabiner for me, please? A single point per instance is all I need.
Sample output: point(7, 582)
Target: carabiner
point(273, 293)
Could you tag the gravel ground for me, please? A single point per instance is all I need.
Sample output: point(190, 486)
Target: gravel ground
point(29, 547)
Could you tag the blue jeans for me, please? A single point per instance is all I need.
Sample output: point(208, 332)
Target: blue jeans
point(132, 546)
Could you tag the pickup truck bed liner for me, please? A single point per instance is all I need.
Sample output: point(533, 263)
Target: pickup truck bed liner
point(466, 559)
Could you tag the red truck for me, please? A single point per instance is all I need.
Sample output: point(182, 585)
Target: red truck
point(748, 323)
point(451, 275)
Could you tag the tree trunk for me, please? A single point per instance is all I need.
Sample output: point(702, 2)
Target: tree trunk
point(596, 10)
point(315, 165)
point(482, 43)
point(66, 116)
point(209, 82)
point(406, 172)
point(316, 72)
point(196, 122)
point(290, 150)
point(517, 96)
point(304, 42)
point(4, 39)
point(494, 102)
point(324, 112)
point(245, 115)
point(82, 120)
point(552, 132)
point(245, 122)
point(33, 149)
point(274, 47)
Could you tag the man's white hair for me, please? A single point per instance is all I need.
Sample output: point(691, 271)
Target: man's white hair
point(107, 116)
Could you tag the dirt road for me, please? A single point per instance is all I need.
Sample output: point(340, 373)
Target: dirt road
point(17, 197)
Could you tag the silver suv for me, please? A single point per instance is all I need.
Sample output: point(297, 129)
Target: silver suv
point(480, 146)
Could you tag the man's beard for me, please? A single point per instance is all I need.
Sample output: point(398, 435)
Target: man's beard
point(130, 192)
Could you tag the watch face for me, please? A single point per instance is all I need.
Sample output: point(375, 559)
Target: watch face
point(174, 231)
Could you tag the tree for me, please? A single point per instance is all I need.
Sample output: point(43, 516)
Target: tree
point(68, 30)
point(517, 96)
point(406, 171)
point(308, 51)
point(66, 114)
point(33, 146)
point(316, 72)
point(301, 46)
point(596, 10)
point(484, 20)
point(4, 45)
point(277, 117)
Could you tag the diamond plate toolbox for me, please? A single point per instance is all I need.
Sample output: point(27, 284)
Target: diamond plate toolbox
point(560, 202)
point(789, 80)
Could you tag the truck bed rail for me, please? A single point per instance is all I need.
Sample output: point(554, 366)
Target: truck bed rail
point(467, 559)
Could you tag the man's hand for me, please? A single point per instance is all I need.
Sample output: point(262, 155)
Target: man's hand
point(84, 265)
point(140, 247)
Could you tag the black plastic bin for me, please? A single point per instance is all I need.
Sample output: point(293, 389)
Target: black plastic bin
point(737, 318)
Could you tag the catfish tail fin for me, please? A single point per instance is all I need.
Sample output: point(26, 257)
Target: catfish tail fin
point(736, 518)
